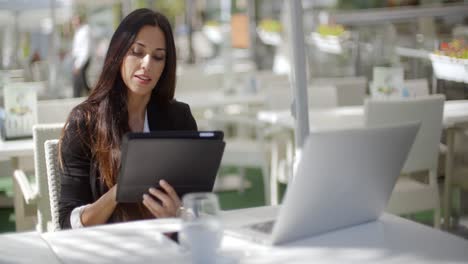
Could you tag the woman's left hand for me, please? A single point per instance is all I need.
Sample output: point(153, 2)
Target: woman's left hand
point(169, 201)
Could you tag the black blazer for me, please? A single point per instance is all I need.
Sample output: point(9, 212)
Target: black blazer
point(80, 181)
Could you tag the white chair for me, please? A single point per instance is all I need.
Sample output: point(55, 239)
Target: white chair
point(322, 96)
point(53, 179)
point(278, 98)
point(349, 90)
point(196, 80)
point(244, 151)
point(54, 112)
point(249, 149)
point(410, 195)
point(262, 150)
point(281, 160)
point(266, 80)
point(459, 179)
point(417, 87)
point(29, 196)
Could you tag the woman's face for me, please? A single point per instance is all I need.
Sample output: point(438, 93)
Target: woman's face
point(144, 62)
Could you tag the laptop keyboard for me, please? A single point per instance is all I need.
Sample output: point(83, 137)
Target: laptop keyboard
point(264, 227)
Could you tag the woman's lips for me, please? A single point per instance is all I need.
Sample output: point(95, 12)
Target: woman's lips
point(142, 79)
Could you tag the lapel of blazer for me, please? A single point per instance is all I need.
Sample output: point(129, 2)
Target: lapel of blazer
point(158, 117)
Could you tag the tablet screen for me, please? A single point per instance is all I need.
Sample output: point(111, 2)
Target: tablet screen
point(187, 160)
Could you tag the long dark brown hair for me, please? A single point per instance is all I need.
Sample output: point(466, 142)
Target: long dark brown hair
point(105, 112)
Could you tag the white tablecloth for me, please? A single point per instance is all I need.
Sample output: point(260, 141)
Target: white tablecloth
point(390, 240)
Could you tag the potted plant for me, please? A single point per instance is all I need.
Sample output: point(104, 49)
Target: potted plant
point(212, 30)
point(269, 31)
point(330, 38)
point(450, 62)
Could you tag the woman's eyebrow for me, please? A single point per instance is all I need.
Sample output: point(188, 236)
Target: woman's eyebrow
point(144, 46)
point(141, 44)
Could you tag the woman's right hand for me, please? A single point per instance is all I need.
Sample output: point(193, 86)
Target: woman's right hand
point(169, 201)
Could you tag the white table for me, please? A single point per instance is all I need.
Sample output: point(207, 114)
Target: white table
point(25, 248)
point(214, 99)
point(133, 242)
point(455, 113)
point(455, 116)
point(389, 240)
point(13, 150)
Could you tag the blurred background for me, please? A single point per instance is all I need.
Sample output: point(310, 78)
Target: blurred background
point(231, 54)
point(37, 36)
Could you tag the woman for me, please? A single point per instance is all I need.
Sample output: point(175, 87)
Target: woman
point(134, 93)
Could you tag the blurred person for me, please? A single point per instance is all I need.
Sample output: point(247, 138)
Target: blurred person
point(35, 57)
point(134, 93)
point(81, 53)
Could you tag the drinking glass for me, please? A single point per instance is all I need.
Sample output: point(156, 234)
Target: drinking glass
point(201, 231)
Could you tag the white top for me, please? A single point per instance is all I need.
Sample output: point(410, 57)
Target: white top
point(75, 216)
point(81, 51)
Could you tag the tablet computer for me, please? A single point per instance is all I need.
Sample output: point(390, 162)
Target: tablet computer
point(187, 160)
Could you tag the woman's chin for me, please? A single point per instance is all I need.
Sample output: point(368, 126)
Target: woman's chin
point(140, 91)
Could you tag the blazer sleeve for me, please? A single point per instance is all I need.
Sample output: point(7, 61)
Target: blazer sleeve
point(75, 178)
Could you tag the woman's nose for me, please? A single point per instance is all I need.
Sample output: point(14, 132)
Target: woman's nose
point(146, 62)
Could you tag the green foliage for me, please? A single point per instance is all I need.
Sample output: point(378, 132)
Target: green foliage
point(330, 30)
point(270, 25)
point(212, 23)
point(456, 48)
point(170, 8)
point(359, 4)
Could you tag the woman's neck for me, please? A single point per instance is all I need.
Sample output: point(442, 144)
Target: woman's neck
point(136, 112)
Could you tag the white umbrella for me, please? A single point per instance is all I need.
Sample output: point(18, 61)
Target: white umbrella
point(298, 76)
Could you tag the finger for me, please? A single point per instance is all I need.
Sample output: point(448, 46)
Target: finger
point(155, 208)
point(165, 199)
point(170, 191)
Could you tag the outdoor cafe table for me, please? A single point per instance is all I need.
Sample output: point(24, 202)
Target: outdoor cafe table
point(391, 239)
point(454, 118)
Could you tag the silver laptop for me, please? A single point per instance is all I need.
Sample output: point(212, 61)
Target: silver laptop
point(344, 178)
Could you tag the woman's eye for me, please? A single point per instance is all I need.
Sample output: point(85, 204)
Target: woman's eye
point(136, 52)
point(159, 58)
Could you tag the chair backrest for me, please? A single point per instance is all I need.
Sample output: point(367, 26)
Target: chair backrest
point(270, 80)
point(196, 80)
point(278, 98)
point(428, 110)
point(417, 87)
point(349, 90)
point(53, 179)
point(41, 133)
point(322, 96)
point(20, 105)
point(57, 110)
